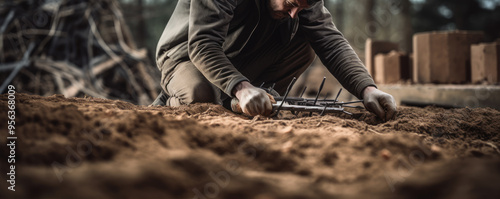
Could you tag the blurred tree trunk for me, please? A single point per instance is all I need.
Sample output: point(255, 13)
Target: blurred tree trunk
point(370, 27)
point(336, 8)
point(407, 28)
point(339, 13)
point(458, 15)
point(142, 33)
point(355, 26)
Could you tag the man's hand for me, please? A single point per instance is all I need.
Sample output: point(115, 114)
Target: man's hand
point(253, 101)
point(380, 103)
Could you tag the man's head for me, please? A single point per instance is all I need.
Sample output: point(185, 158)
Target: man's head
point(281, 9)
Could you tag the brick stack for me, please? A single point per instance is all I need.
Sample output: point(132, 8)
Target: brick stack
point(485, 62)
point(392, 67)
point(443, 57)
point(373, 48)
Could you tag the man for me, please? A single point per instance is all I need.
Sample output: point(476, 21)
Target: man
point(214, 50)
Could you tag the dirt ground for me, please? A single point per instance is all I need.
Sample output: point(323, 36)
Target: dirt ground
point(96, 148)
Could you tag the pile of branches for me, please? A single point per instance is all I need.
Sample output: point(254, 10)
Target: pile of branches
point(73, 47)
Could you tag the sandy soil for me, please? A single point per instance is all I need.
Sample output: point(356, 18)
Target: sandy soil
point(95, 148)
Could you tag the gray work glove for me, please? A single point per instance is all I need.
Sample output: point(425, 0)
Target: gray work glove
point(380, 103)
point(252, 100)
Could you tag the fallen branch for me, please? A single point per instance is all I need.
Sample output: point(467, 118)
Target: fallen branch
point(78, 48)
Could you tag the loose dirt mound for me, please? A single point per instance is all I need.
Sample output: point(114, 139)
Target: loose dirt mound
point(95, 148)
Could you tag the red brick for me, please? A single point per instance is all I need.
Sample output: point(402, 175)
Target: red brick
point(443, 57)
point(485, 62)
point(373, 48)
point(391, 68)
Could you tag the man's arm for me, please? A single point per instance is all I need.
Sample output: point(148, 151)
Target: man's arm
point(208, 25)
point(341, 60)
point(334, 50)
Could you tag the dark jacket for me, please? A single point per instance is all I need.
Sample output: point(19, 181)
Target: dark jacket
point(209, 32)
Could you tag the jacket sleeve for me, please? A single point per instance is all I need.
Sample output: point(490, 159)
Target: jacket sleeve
point(208, 25)
point(333, 49)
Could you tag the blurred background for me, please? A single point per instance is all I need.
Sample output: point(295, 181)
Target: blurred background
point(389, 20)
point(106, 48)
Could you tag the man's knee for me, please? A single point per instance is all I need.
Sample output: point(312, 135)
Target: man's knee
point(200, 92)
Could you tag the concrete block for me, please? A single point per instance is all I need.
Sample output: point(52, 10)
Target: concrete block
point(443, 57)
point(485, 62)
point(445, 95)
point(391, 68)
point(373, 48)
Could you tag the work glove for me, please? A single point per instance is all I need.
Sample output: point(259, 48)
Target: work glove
point(252, 100)
point(380, 103)
point(235, 103)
